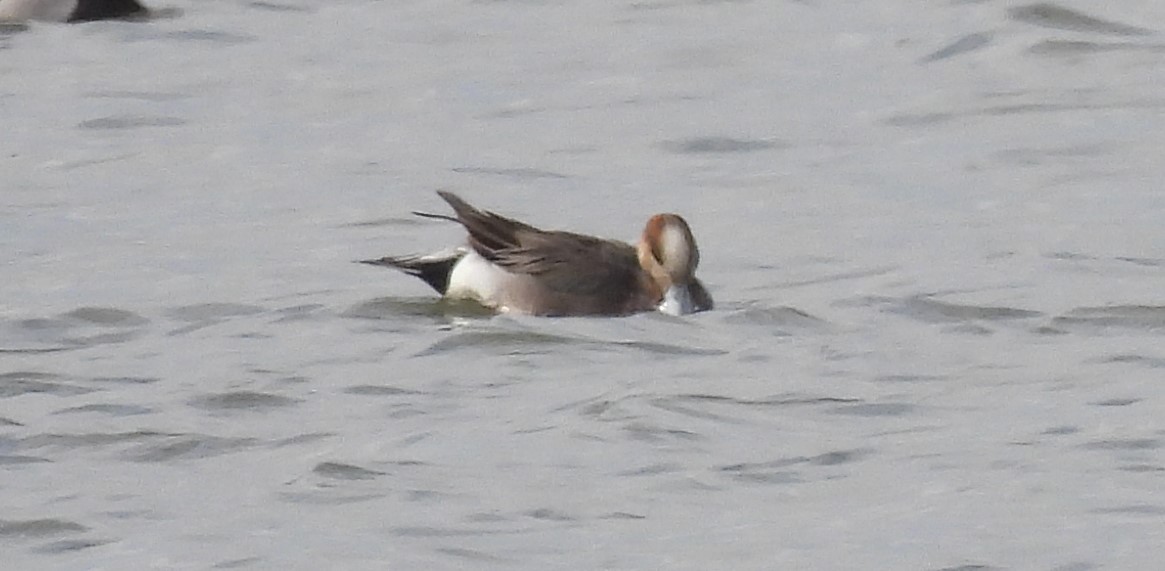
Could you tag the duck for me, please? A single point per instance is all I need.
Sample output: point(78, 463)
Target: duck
point(70, 10)
point(513, 267)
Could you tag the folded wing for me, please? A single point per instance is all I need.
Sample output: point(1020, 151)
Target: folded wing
point(562, 261)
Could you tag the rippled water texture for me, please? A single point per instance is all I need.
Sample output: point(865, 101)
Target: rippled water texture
point(933, 231)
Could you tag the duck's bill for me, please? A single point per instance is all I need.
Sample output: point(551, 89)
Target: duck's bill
point(685, 299)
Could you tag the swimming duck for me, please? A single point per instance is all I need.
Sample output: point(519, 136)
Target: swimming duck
point(69, 10)
point(511, 266)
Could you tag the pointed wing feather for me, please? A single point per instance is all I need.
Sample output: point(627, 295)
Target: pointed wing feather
point(488, 232)
point(562, 261)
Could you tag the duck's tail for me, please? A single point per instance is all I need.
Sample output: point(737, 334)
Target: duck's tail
point(434, 268)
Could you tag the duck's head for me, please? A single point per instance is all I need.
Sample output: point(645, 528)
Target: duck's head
point(667, 251)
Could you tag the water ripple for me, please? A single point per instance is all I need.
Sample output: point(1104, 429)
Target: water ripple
point(339, 471)
point(278, 6)
point(876, 409)
point(1134, 509)
point(25, 382)
point(966, 44)
point(242, 400)
point(1080, 47)
point(717, 145)
point(1125, 444)
point(213, 311)
point(124, 122)
point(1049, 15)
point(38, 527)
point(79, 328)
point(926, 308)
point(109, 409)
point(70, 545)
point(1144, 317)
point(525, 342)
point(393, 308)
point(514, 173)
point(187, 447)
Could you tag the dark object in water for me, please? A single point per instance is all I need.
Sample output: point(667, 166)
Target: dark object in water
point(90, 10)
point(17, 11)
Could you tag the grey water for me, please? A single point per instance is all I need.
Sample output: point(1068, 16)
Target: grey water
point(934, 232)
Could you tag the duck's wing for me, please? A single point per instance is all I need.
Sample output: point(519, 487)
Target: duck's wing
point(561, 261)
point(576, 264)
point(489, 233)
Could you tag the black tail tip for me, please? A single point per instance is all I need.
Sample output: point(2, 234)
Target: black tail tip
point(376, 262)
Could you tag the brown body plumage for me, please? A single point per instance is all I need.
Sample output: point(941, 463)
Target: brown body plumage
point(513, 266)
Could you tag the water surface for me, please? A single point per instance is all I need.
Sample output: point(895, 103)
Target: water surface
point(933, 233)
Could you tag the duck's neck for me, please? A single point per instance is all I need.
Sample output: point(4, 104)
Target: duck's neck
point(660, 279)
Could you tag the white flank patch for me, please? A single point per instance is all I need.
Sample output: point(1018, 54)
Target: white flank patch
point(475, 277)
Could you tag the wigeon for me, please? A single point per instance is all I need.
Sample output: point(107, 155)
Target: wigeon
point(69, 10)
point(511, 266)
